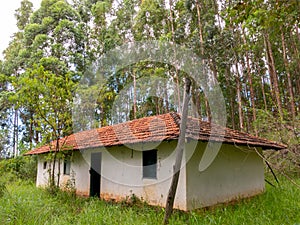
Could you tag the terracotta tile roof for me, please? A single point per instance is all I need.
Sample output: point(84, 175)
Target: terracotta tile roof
point(155, 128)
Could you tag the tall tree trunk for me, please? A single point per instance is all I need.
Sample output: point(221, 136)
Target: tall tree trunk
point(15, 134)
point(296, 57)
point(196, 106)
point(198, 7)
point(36, 138)
point(273, 74)
point(232, 97)
point(134, 93)
point(166, 98)
point(179, 153)
point(290, 86)
point(239, 97)
point(200, 31)
point(263, 88)
point(297, 31)
point(31, 131)
point(252, 95)
point(176, 68)
point(296, 51)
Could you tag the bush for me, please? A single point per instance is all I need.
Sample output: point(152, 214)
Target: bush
point(21, 167)
point(285, 131)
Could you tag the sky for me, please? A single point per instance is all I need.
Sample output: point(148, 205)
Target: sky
point(8, 21)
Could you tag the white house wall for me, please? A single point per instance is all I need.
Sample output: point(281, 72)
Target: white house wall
point(80, 170)
point(236, 172)
point(122, 174)
point(43, 173)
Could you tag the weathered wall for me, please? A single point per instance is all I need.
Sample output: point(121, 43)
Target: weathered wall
point(236, 172)
point(43, 173)
point(122, 174)
point(80, 169)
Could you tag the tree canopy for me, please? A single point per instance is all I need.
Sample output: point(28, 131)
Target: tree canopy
point(251, 48)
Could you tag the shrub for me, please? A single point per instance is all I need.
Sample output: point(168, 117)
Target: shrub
point(21, 167)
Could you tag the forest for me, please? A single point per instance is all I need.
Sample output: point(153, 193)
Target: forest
point(252, 49)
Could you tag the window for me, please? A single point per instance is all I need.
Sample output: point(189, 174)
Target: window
point(45, 165)
point(149, 164)
point(67, 167)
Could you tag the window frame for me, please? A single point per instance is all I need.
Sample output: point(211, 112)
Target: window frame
point(67, 167)
point(149, 164)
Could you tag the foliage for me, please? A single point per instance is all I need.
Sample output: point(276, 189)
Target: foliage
point(251, 48)
point(2, 188)
point(49, 95)
point(288, 160)
point(21, 167)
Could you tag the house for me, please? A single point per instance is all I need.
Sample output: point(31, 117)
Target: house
point(137, 157)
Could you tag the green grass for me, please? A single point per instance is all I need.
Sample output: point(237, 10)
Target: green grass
point(23, 203)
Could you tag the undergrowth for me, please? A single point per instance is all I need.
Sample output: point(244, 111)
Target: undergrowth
point(23, 203)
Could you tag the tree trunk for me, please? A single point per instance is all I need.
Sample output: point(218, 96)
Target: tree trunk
point(263, 92)
point(134, 94)
point(232, 97)
point(176, 69)
point(200, 29)
point(252, 95)
point(273, 74)
point(15, 134)
point(52, 180)
point(297, 32)
point(52, 172)
point(179, 153)
point(31, 133)
point(166, 98)
point(290, 86)
point(296, 57)
point(239, 97)
point(58, 173)
point(196, 99)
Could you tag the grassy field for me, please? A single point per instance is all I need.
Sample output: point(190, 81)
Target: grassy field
point(23, 203)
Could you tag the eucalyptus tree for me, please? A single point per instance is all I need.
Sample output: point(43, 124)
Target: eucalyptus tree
point(53, 39)
point(5, 114)
point(11, 69)
point(203, 33)
point(272, 22)
point(127, 23)
point(55, 34)
point(45, 60)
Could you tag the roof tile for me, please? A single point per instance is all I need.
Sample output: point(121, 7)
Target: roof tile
point(155, 129)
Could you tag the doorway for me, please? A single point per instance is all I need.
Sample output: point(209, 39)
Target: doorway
point(95, 174)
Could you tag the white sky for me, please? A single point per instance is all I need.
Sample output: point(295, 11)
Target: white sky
point(8, 22)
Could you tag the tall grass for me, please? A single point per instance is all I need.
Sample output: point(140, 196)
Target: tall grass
point(23, 203)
